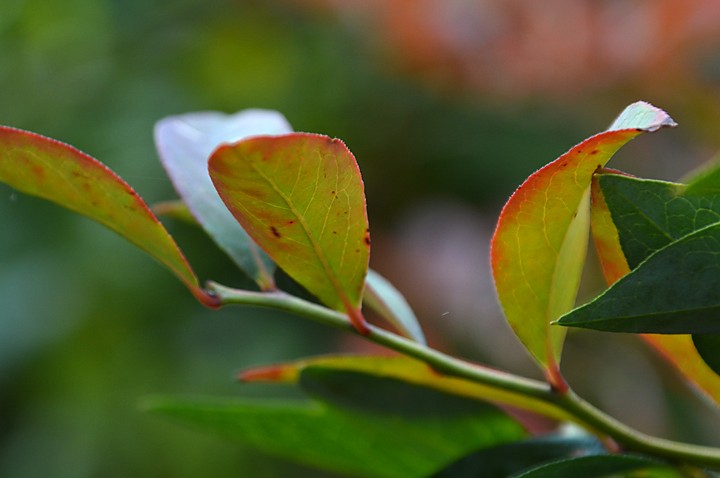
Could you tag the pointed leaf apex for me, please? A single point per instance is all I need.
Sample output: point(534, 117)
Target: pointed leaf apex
point(269, 373)
point(642, 116)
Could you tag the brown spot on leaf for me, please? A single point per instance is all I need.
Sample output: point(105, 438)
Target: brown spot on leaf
point(595, 151)
point(275, 232)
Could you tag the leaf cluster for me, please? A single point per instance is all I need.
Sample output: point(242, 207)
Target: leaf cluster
point(273, 198)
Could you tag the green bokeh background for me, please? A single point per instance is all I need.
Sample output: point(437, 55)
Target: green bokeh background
point(89, 325)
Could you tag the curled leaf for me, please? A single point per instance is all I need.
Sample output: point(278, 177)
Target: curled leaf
point(540, 242)
point(185, 143)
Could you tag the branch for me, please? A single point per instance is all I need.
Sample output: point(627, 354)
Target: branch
point(574, 407)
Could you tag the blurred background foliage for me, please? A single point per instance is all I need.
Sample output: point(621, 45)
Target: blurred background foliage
point(448, 106)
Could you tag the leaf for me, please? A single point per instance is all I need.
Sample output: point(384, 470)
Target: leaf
point(175, 209)
point(651, 214)
point(185, 143)
point(674, 291)
point(704, 181)
point(356, 444)
point(708, 346)
point(508, 459)
point(382, 297)
point(682, 353)
point(55, 171)
point(605, 235)
point(604, 466)
point(679, 350)
point(403, 368)
point(300, 197)
point(364, 392)
point(540, 242)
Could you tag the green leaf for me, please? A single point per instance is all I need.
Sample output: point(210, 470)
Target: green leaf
point(540, 242)
point(705, 181)
point(356, 444)
point(176, 209)
point(708, 346)
point(678, 350)
point(58, 172)
point(505, 460)
point(408, 370)
point(185, 143)
point(651, 214)
point(365, 392)
point(604, 466)
point(382, 297)
point(674, 291)
point(300, 197)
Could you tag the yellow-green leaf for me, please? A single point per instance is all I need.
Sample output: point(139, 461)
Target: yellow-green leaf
point(301, 198)
point(58, 172)
point(407, 369)
point(540, 242)
point(605, 236)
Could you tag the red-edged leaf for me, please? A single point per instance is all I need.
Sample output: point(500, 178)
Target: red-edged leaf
point(300, 197)
point(58, 172)
point(540, 242)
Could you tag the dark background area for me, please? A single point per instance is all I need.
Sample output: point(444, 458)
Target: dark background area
point(447, 105)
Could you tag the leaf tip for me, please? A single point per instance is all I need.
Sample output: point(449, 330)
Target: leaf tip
point(642, 116)
point(270, 373)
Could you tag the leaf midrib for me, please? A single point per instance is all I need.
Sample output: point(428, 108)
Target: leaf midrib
point(306, 230)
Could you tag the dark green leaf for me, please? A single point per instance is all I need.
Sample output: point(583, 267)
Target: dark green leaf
point(651, 214)
point(504, 460)
point(349, 443)
point(674, 291)
point(602, 466)
point(370, 393)
point(708, 346)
